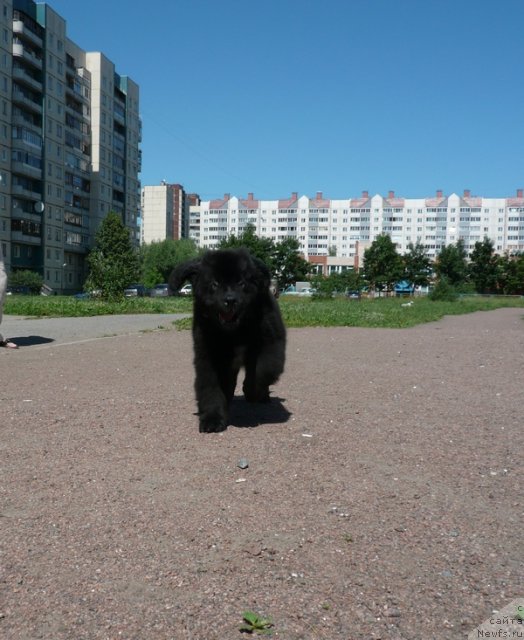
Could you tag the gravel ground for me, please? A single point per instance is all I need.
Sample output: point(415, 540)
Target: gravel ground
point(383, 497)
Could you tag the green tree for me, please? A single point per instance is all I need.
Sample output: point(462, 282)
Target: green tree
point(417, 265)
point(262, 248)
point(158, 259)
point(26, 278)
point(510, 277)
point(283, 258)
point(287, 265)
point(451, 264)
point(483, 267)
point(382, 264)
point(113, 261)
point(326, 286)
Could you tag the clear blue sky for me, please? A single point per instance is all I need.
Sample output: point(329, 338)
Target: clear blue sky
point(275, 96)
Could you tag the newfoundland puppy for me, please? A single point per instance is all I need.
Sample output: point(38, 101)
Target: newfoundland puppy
point(236, 323)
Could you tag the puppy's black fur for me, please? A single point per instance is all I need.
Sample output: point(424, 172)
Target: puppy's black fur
point(236, 323)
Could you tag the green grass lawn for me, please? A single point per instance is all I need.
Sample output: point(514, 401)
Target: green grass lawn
point(382, 312)
point(70, 307)
point(297, 312)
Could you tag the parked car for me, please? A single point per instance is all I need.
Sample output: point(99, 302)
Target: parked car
point(187, 290)
point(292, 291)
point(135, 290)
point(160, 290)
point(353, 294)
point(19, 290)
point(88, 295)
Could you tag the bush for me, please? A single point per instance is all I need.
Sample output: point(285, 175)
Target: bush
point(26, 278)
point(443, 291)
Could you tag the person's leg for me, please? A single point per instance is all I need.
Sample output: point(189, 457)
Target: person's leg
point(3, 288)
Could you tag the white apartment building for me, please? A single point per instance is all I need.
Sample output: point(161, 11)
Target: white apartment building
point(344, 228)
point(69, 145)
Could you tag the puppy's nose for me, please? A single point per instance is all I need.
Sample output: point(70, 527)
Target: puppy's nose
point(230, 299)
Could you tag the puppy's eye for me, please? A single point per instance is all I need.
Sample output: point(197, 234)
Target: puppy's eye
point(214, 285)
point(241, 284)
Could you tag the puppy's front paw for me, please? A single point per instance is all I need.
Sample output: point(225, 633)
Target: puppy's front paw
point(212, 423)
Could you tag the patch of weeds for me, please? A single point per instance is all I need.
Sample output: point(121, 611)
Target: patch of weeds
point(347, 537)
point(159, 328)
point(253, 623)
point(183, 324)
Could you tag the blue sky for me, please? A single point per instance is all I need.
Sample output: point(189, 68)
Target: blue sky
point(337, 96)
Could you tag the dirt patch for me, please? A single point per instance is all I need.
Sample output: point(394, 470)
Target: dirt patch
point(383, 496)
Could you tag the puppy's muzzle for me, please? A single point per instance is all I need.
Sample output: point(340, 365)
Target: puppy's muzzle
point(228, 314)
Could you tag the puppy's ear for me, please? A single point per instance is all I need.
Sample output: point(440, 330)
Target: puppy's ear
point(263, 274)
point(183, 272)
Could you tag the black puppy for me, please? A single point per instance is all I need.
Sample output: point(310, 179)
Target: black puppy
point(236, 323)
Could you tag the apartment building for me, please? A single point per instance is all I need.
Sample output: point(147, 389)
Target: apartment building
point(336, 232)
point(165, 212)
point(69, 145)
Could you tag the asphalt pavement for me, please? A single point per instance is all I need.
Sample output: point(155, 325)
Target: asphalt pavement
point(41, 332)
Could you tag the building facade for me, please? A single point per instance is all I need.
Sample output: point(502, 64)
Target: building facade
point(335, 233)
point(165, 212)
point(69, 145)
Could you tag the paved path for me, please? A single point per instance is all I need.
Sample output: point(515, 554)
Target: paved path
point(383, 497)
point(52, 331)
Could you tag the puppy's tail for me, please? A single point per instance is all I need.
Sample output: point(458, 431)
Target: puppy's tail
point(181, 273)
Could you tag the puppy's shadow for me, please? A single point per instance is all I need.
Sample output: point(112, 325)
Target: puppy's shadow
point(244, 414)
point(29, 341)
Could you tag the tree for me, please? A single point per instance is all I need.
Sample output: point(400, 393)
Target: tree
point(382, 263)
point(287, 265)
point(113, 261)
point(158, 259)
point(283, 258)
point(262, 248)
point(417, 265)
point(483, 266)
point(451, 264)
point(326, 286)
point(510, 277)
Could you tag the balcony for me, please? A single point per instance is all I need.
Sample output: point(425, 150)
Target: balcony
point(23, 99)
point(20, 75)
point(20, 190)
point(18, 236)
point(75, 88)
point(27, 120)
point(22, 30)
point(26, 170)
point(20, 51)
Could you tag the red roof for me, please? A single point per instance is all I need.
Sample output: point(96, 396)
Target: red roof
point(436, 202)
point(291, 202)
point(219, 204)
point(250, 203)
point(360, 203)
point(319, 203)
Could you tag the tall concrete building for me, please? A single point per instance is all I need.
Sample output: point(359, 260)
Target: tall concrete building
point(335, 233)
point(69, 133)
point(165, 212)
